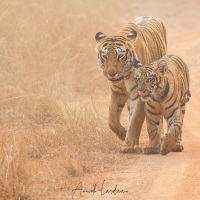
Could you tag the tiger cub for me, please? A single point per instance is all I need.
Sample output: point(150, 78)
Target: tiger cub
point(164, 87)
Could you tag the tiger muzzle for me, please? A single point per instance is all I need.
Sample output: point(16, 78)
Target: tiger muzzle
point(114, 76)
point(144, 93)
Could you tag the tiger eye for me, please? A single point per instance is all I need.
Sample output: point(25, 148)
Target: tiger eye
point(103, 55)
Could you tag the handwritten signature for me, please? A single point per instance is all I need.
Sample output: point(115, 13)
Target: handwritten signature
point(79, 189)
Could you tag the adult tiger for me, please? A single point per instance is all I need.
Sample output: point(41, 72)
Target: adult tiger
point(142, 41)
point(164, 86)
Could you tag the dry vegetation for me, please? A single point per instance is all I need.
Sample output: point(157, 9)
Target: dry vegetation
point(53, 102)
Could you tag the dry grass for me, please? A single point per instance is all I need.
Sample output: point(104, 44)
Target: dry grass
point(53, 102)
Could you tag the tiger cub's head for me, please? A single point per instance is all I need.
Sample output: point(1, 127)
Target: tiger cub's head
point(150, 80)
point(116, 57)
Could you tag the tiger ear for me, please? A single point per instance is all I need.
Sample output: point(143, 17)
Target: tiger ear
point(132, 35)
point(99, 36)
point(162, 67)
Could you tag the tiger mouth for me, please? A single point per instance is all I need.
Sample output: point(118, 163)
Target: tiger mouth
point(144, 95)
point(115, 80)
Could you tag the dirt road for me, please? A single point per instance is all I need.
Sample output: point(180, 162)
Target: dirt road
point(176, 175)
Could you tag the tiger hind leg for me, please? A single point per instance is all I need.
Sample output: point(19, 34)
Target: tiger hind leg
point(179, 146)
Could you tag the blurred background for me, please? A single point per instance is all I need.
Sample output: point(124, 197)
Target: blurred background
point(54, 98)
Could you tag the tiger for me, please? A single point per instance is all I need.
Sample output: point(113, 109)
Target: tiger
point(140, 42)
point(164, 87)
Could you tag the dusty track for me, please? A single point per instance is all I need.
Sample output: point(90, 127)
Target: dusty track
point(177, 175)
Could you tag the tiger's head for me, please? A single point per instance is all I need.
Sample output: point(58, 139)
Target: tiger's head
point(151, 80)
point(116, 56)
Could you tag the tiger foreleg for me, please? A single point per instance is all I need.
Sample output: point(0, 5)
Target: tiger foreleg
point(155, 130)
point(116, 105)
point(137, 115)
point(169, 140)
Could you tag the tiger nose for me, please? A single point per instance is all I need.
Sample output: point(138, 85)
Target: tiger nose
point(112, 74)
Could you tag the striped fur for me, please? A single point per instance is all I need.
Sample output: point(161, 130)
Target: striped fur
point(164, 86)
point(140, 42)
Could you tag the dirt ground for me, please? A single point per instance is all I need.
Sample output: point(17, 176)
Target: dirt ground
point(176, 175)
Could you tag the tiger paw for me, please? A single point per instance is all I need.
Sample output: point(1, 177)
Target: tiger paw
point(178, 148)
point(131, 149)
point(151, 150)
point(168, 142)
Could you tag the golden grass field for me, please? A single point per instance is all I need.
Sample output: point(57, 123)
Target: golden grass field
point(54, 99)
point(53, 116)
